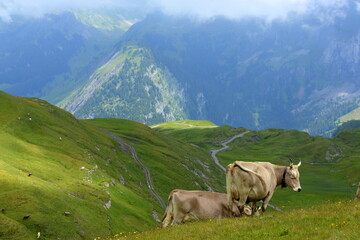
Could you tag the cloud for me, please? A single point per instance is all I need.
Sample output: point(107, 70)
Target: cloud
point(358, 6)
point(233, 8)
point(238, 9)
point(203, 9)
point(37, 8)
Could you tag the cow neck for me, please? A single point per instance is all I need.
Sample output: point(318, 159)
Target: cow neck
point(283, 183)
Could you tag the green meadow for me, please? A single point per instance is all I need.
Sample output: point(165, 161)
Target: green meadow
point(71, 163)
point(330, 167)
point(339, 220)
point(78, 166)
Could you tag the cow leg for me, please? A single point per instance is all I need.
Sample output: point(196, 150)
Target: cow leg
point(190, 217)
point(178, 213)
point(241, 203)
point(266, 201)
point(254, 208)
point(167, 219)
point(230, 204)
point(178, 219)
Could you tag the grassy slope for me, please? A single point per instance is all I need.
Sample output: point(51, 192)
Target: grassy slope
point(353, 115)
point(42, 139)
point(184, 124)
point(167, 158)
point(329, 221)
point(320, 182)
point(57, 184)
point(53, 146)
point(204, 134)
point(326, 185)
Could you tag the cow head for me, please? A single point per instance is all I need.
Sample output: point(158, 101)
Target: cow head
point(292, 177)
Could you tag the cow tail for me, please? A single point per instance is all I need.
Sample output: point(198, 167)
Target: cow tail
point(169, 212)
point(232, 169)
point(230, 187)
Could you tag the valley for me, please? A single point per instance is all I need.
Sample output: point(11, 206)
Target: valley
point(301, 73)
point(108, 106)
point(98, 170)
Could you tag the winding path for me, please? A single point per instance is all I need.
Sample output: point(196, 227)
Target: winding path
point(126, 146)
point(226, 146)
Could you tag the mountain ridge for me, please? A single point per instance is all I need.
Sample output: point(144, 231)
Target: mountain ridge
point(247, 73)
point(299, 73)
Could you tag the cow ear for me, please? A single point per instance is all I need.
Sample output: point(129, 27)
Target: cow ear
point(299, 164)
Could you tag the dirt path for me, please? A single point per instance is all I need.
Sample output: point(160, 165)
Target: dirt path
point(226, 146)
point(126, 146)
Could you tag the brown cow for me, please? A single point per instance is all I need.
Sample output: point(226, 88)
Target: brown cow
point(195, 205)
point(255, 181)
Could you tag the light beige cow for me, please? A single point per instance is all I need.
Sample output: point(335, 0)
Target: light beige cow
point(197, 205)
point(255, 181)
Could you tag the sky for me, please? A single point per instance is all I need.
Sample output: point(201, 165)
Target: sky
point(202, 9)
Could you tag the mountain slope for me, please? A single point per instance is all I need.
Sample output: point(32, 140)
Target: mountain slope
point(50, 56)
point(301, 73)
point(41, 139)
point(130, 85)
point(79, 168)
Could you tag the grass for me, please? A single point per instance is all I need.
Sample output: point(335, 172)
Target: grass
point(170, 161)
point(333, 220)
point(204, 134)
point(39, 138)
point(322, 177)
point(53, 146)
point(353, 115)
point(329, 168)
point(184, 124)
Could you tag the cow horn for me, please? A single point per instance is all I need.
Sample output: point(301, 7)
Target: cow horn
point(291, 162)
point(299, 164)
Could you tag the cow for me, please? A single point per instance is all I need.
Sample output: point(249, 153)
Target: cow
point(197, 205)
point(254, 181)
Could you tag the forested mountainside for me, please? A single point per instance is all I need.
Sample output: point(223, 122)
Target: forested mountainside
point(300, 73)
point(295, 73)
